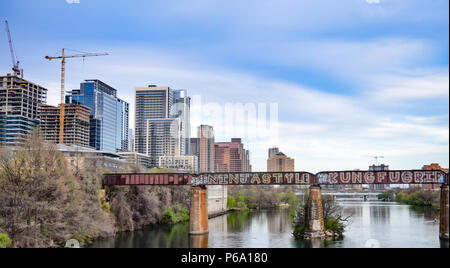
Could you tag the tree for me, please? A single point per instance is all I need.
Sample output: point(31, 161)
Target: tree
point(42, 203)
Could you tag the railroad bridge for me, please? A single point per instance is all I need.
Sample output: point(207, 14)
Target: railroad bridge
point(198, 223)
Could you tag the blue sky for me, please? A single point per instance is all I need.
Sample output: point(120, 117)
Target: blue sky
point(352, 78)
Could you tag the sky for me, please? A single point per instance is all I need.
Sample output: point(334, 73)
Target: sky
point(341, 81)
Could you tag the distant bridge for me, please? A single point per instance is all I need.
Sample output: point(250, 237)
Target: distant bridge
point(344, 194)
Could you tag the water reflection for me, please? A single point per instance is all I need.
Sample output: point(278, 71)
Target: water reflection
point(390, 224)
point(198, 241)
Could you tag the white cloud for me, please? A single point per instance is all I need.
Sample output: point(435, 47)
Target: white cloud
point(320, 130)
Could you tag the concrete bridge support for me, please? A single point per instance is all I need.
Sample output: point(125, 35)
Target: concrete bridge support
point(198, 222)
point(314, 213)
point(444, 211)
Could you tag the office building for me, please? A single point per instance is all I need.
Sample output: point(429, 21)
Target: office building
point(20, 101)
point(378, 187)
point(206, 147)
point(273, 151)
point(182, 109)
point(109, 115)
point(183, 163)
point(162, 122)
point(136, 159)
point(80, 158)
point(76, 124)
point(280, 163)
point(231, 157)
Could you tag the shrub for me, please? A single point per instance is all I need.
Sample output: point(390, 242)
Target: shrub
point(5, 241)
point(169, 217)
point(184, 214)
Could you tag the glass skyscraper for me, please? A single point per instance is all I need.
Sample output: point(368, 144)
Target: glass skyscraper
point(109, 118)
point(182, 109)
point(162, 122)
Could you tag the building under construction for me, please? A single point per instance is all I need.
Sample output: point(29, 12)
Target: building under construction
point(76, 124)
point(20, 101)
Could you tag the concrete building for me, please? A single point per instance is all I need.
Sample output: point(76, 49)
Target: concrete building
point(109, 117)
point(79, 158)
point(76, 124)
point(378, 187)
point(273, 151)
point(231, 157)
point(280, 163)
point(195, 149)
point(183, 163)
point(136, 158)
point(206, 147)
point(20, 101)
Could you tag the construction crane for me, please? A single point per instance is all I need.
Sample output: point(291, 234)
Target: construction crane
point(376, 159)
point(63, 58)
point(16, 70)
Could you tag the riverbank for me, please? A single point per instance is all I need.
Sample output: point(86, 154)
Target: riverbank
point(413, 197)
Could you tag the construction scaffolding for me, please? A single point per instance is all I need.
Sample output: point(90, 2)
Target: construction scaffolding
point(76, 124)
point(20, 101)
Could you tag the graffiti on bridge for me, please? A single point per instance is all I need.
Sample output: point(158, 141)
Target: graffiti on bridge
point(281, 178)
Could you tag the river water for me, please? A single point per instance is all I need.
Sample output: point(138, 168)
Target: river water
point(373, 224)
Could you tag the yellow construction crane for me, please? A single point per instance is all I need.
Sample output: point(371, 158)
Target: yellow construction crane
point(63, 58)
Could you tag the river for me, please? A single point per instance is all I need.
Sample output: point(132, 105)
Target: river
point(373, 224)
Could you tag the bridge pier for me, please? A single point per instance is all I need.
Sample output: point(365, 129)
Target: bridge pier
point(444, 213)
point(315, 227)
point(198, 221)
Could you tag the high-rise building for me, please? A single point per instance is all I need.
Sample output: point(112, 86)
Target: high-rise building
point(273, 151)
point(108, 118)
point(231, 157)
point(162, 122)
point(76, 124)
point(378, 187)
point(206, 148)
point(182, 109)
point(20, 101)
point(130, 140)
point(122, 134)
point(195, 149)
point(280, 163)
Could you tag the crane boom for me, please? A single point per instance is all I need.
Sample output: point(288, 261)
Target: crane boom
point(63, 58)
point(15, 62)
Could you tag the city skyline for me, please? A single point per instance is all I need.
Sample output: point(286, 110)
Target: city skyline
point(373, 81)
